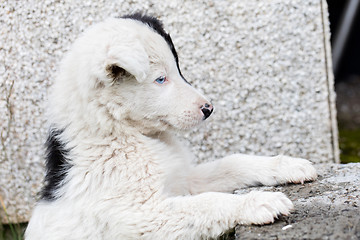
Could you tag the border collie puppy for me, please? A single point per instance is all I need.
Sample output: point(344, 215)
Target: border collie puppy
point(114, 167)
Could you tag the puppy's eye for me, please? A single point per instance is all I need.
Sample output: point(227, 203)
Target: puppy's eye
point(161, 80)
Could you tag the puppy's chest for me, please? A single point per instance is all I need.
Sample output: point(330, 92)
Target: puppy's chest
point(175, 165)
point(141, 168)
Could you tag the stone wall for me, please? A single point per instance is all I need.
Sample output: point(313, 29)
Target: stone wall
point(265, 65)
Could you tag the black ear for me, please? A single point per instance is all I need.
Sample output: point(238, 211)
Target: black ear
point(117, 73)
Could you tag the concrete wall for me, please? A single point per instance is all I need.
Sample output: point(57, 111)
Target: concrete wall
point(264, 64)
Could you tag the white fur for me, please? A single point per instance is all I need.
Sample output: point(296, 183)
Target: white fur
point(130, 178)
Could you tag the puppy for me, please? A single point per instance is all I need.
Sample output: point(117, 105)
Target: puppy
point(114, 168)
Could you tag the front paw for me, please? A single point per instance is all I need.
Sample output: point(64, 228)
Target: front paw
point(264, 207)
point(294, 170)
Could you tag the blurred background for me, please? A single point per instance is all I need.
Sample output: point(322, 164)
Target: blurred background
point(345, 40)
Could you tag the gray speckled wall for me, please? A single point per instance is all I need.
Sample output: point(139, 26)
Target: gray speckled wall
point(264, 64)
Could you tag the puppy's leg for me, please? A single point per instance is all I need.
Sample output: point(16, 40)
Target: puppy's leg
point(239, 170)
point(208, 215)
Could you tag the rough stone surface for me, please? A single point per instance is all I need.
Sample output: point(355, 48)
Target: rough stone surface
point(328, 208)
point(264, 64)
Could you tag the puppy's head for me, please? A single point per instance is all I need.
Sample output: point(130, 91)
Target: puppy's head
point(130, 74)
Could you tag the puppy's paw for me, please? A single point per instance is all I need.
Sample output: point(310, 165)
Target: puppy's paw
point(294, 170)
point(264, 207)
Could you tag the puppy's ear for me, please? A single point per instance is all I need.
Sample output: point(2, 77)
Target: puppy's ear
point(117, 73)
point(128, 59)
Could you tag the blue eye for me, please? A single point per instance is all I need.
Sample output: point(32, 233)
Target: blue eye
point(161, 80)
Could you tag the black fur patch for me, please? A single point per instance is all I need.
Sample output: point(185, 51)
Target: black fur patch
point(57, 165)
point(158, 27)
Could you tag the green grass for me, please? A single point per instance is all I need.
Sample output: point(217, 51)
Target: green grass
point(10, 231)
point(349, 142)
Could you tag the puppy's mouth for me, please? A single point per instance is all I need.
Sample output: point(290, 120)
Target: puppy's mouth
point(184, 123)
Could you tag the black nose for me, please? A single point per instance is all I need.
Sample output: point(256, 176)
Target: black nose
point(207, 109)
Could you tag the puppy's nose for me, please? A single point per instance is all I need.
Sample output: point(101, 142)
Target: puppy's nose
point(207, 109)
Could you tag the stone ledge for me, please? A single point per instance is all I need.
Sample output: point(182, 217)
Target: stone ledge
point(328, 208)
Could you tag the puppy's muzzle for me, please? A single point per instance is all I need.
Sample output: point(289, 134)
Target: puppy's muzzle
point(206, 109)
